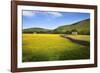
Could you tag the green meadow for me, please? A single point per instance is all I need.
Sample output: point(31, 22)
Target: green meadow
point(52, 47)
point(65, 42)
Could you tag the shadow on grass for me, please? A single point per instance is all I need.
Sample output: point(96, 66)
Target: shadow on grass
point(81, 42)
point(34, 57)
point(76, 54)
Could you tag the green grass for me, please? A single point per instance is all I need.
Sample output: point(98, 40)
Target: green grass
point(51, 47)
point(80, 37)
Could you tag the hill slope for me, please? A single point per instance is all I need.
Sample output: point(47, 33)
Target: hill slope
point(82, 27)
point(37, 30)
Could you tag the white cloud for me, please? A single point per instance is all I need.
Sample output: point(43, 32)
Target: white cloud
point(32, 13)
point(56, 14)
point(28, 13)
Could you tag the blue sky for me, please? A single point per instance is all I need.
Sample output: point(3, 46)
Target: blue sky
point(50, 20)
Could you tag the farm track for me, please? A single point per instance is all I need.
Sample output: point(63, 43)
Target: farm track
point(81, 42)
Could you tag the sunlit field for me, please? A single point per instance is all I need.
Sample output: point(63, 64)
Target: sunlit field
point(52, 47)
point(80, 37)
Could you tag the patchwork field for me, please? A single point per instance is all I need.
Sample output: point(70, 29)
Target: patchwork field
point(52, 47)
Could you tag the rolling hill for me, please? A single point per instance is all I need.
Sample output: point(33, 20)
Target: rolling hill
point(37, 30)
point(82, 27)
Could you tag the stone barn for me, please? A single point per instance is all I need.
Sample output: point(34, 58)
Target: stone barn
point(74, 33)
point(34, 32)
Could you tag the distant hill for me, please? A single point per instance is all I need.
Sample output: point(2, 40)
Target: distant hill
point(37, 30)
point(82, 27)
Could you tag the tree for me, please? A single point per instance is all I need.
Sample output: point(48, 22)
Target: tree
point(74, 30)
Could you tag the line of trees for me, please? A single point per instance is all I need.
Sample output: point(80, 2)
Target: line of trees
point(83, 32)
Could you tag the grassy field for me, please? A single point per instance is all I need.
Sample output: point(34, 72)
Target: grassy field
point(80, 37)
point(51, 47)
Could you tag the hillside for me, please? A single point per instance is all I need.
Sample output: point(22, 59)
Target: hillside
point(82, 27)
point(37, 30)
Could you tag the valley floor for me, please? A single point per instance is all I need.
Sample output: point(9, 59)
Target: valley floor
point(52, 47)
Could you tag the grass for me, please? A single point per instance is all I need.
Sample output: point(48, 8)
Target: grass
point(80, 37)
point(51, 47)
